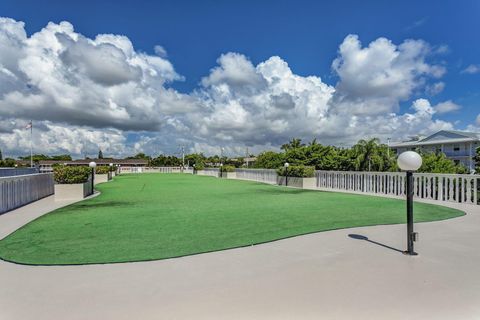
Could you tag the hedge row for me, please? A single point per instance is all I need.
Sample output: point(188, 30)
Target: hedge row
point(70, 175)
point(102, 169)
point(297, 171)
point(228, 168)
point(199, 166)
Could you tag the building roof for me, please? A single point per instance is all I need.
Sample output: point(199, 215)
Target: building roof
point(98, 161)
point(441, 137)
point(464, 133)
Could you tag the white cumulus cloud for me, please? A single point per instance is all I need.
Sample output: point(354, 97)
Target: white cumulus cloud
point(89, 93)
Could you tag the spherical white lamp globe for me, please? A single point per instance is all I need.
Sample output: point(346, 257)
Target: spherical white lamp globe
point(111, 164)
point(286, 164)
point(92, 164)
point(409, 161)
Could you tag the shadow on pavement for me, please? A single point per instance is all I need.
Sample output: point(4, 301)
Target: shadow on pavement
point(360, 237)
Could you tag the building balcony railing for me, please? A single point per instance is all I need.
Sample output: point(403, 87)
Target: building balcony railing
point(457, 153)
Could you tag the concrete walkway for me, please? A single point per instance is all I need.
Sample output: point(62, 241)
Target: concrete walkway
point(328, 275)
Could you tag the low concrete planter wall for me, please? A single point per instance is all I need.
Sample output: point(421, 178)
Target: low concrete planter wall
point(101, 178)
point(209, 172)
point(69, 191)
point(229, 175)
point(297, 182)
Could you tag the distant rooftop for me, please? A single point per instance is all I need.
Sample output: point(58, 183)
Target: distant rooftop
point(443, 136)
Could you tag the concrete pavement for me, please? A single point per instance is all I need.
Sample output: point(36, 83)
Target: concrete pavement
point(328, 275)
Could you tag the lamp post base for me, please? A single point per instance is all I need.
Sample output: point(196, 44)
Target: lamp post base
point(408, 253)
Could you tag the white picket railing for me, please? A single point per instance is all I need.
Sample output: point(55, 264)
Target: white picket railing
point(9, 172)
point(438, 187)
point(260, 175)
point(150, 169)
point(17, 191)
point(214, 172)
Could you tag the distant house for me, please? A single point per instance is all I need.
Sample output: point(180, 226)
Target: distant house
point(46, 165)
point(249, 161)
point(456, 145)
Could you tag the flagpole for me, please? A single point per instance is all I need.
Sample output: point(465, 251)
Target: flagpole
point(31, 144)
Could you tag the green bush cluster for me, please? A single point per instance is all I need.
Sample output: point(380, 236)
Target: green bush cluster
point(102, 169)
point(297, 171)
point(199, 166)
point(70, 175)
point(228, 168)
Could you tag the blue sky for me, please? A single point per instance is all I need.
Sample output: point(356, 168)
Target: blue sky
point(305, 34)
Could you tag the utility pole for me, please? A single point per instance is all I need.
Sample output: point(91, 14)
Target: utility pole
point(31, 144)
point(247, 155)
point(84, 148)
point(183, 156)
point(388, 149)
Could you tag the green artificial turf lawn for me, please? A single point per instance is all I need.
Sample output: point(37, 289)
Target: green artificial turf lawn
point(156, 216)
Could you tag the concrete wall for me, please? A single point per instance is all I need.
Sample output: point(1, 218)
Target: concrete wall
point(229, 175)
point(100, 178)
point(297, 182)
point(17, 191)
point(69, 191)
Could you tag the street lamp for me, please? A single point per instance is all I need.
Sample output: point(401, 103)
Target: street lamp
point(93, 165)
point(286, 173)
point(194, 172)
point(410, 161)
point(221, 173)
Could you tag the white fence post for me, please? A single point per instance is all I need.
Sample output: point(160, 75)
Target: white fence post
point(437, 187)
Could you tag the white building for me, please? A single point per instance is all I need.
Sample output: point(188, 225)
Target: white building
point(456, 145)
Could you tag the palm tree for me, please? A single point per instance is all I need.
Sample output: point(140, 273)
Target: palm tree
point(367, 151)
point(293, 144)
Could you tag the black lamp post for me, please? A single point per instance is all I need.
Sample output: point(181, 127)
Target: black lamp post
point(410, 161)
point(93, 166)
point(286, 173)
point(194, 171)
point(110, 171)
point(221, 172)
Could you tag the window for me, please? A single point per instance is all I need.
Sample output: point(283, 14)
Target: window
point(456, 147)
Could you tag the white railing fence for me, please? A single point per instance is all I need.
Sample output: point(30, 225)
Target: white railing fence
point(214, 172)
point(260, 175)
point(188, 170)
point(439, 187)
point(17, 191)
point(9, 172)
point(150, 169)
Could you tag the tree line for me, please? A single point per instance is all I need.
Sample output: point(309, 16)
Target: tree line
point(365, 155)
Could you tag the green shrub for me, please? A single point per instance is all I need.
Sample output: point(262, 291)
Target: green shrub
point(70, 175)
point(297, 171)
point(199, 166)
point(102, 169)
point(228, 168)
